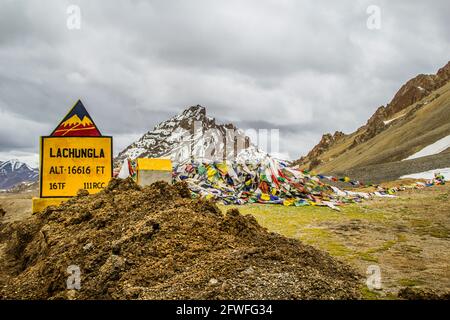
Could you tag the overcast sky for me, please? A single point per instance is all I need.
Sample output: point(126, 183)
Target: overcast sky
point(303, 67)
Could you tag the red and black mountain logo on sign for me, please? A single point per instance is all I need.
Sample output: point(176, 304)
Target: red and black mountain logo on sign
point(77, 123)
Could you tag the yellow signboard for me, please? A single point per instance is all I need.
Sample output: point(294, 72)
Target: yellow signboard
point(72, 163)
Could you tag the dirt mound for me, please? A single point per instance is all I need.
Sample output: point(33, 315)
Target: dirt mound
point(157, 243)
point(422, 294)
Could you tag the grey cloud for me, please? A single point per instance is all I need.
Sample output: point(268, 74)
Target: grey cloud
point(304, 67)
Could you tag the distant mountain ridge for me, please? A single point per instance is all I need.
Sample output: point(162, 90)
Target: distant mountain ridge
point(417, 116)
point(14, 172)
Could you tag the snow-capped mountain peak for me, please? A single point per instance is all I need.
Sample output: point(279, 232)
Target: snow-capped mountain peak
point(13, 172)
point(14, 165)
point(194, 112)
point(192, 135)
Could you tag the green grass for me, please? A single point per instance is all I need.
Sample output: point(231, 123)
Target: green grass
point(366, 256)
point(409, 282)
point(385, 246)
point(303, 223)
point(274, 215)
point(368, 294)
point(427, 227)
point(325, 240)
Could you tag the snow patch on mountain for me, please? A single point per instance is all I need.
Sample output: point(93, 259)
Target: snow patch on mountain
point(434, 148)
point(386, 122)
point(428, 175)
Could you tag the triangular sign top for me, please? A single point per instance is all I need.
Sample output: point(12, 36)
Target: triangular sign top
point(77, 123)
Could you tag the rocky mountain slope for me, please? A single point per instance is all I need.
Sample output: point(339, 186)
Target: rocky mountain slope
point(417, 116)
point(13, 172)
point(192, 134)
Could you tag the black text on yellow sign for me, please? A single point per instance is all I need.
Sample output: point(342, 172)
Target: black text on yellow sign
point(72, 163)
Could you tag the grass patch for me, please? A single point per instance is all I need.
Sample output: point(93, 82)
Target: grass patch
point(442, 197)
point(411, 249)
point(324, 240)
point(437, 232)
point(420, 223)
point(385, 246)
point(410, 282)
point(275, 215)
point(368, 294)
point(367, 257)
point(304, 223)
point(369, 254)
point(427, 227)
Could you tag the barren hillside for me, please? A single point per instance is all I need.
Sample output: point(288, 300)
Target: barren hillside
point(417, 116)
